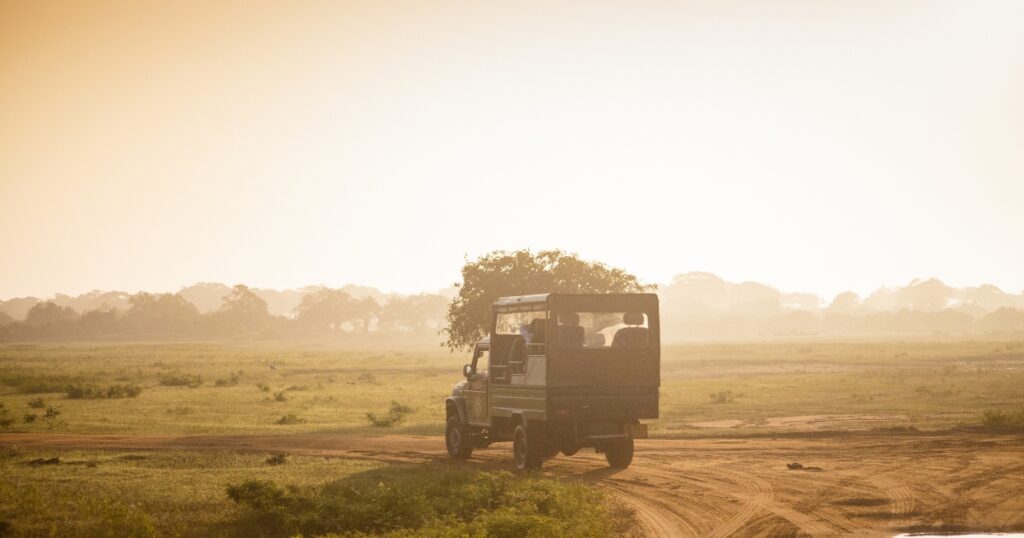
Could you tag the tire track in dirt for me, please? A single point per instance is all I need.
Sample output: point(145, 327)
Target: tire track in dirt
point(704, 487)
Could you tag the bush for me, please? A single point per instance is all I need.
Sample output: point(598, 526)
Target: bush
point(29, 418)
point(1003, 419)
point(290, 419)
point(280, 397)
point(277, 459)
point(230, 381)
point(36, 403)
point(5, 420)
point(367, 377)
point(430, 500)
point(33, 383)
point(263, 387)
point(93, 392)
point(723, 397)
point(395, 415)
point(178, 379)
point(52, 420)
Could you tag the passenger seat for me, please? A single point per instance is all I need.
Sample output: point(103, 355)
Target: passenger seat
point(633, 335)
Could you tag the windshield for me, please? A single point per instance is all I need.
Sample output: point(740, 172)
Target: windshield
point(596, 330)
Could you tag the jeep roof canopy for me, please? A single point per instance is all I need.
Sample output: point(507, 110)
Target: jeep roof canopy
point(589, 364)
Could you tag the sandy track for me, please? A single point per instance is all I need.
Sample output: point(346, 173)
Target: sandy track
point(870, 484)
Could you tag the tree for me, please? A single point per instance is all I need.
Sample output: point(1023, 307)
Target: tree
point(243, 311)
point(50, 313)
point(503, 273)
point(161, 314)
point(416, 313)
point(367, 308)
point(325, 308)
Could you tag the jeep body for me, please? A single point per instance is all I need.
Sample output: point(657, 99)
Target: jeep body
point(557, 373)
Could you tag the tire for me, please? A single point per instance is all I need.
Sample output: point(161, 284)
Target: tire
point(528, 448)
point(620, 454)
point(456, 439)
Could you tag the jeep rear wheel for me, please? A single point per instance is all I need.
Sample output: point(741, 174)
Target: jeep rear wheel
point(619, 454)
point(456, 439)
point(528, 448)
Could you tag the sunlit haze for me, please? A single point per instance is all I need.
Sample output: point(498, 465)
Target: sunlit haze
point(813, 146)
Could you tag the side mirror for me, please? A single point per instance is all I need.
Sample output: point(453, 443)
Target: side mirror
point(467, 370)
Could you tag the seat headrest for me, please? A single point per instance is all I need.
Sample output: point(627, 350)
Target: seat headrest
point(633, 318)
point(569, 318)
point(537, 327)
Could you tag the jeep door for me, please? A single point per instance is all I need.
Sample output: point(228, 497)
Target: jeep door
point(476, 389)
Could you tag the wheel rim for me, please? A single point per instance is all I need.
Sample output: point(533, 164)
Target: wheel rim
point(519, 450)
point(454, 440)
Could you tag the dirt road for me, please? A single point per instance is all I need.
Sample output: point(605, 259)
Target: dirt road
point(868, 483)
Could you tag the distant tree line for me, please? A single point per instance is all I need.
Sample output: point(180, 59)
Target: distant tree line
point(324, 312)
point(693, 306)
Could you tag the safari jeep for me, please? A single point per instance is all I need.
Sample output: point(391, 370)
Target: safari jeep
point(558, 373)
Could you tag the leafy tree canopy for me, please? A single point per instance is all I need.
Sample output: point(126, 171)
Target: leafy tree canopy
point(502, 273)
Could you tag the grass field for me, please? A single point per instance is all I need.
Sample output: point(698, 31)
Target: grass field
point(155, 389)
point(143, 494)
point(714, 388)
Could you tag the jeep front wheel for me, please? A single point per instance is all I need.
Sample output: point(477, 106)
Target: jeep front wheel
point(456, 439)
point(527, 448)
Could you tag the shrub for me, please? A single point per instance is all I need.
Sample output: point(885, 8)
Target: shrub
point(33, 383)
point(395, 415)
point(263, 387)
point(430, 500)
point(367, 377)
point(280, 397)
point(178, 379)
point(230, 381)
point(723, 397)
point(52, 418)
point(277, 459)
point(93, 392)
point(290, 419)
point(36, 403)
point(1003, 419)
point(29, 418)
point(5, 420)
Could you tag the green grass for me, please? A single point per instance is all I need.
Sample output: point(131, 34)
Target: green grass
point(186, 494)
point(926, 385)
point(1003, 419)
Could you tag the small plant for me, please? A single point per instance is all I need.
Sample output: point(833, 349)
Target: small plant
point(52, 418)
point(298, 387)
point(230, 381)
point(367, 377)
point(395, 415)
point(723, 397)
point(180, 411)
point(280, 397)
point(29, 418)
point(277, 459)
point(93, 392)
point(178, 379)
point(36, 403)
point(291, 419)
point(5, 420)
point(1003, 419)
point(263, 387)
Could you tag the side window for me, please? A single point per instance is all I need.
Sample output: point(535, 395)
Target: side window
point(594, 330)
point(482, 362)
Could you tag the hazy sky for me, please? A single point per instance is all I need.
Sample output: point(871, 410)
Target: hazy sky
point(817, 146)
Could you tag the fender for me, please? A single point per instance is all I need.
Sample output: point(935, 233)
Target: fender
point(460, 408)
